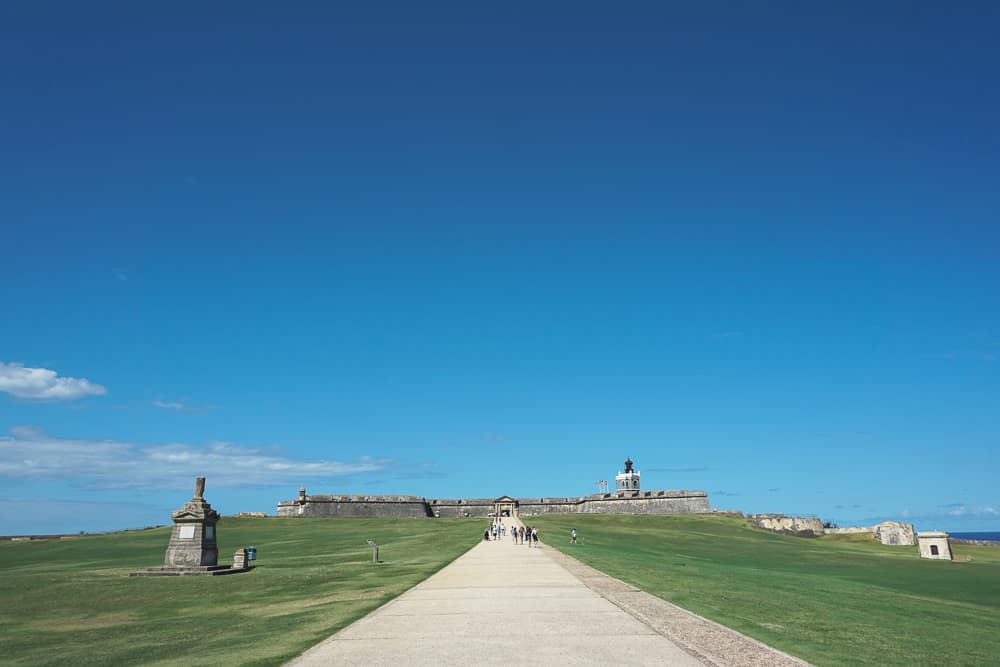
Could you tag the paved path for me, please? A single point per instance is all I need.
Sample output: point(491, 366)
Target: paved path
point(500, 603)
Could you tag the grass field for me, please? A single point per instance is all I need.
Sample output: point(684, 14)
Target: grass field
point(829, 601)
point(70, 602)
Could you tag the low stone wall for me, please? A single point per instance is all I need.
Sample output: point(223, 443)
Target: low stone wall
point(846, 531)
point(800, 526)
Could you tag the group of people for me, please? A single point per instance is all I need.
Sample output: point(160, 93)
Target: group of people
point(518, 534)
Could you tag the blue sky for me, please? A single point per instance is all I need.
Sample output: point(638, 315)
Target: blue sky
point(453, 250)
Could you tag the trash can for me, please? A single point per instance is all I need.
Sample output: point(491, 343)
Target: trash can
point(251, 553)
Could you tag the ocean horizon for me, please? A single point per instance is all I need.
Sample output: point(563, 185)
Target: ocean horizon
point(992, 536)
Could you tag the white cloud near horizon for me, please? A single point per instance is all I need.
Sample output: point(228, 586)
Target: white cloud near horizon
point(28, 453)
point(42, 384)
point(954, 511)
point(984, 511)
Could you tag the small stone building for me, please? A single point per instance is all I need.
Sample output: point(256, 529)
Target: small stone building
point(934, 545)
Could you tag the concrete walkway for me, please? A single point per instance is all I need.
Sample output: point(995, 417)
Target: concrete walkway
point(500, 603)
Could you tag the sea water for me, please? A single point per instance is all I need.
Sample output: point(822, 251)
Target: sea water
point(992, 537)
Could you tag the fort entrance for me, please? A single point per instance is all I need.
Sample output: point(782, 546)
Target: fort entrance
point(505, 506)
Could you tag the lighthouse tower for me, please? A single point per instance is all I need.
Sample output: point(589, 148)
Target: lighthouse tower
point(628, 480)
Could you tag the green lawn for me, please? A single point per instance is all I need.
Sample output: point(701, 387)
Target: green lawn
point(829, 601)
point(70, 602)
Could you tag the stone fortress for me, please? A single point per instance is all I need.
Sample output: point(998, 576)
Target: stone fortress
point(627, 498)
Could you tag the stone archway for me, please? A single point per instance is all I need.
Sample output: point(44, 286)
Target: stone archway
point(505, 506)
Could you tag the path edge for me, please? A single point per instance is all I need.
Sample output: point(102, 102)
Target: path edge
point(302, 658)
point(705, 639)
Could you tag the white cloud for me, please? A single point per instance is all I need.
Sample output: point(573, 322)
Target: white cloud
point(169, 405)
point(978, 512)
point(44, 385)
point(31, 454)
point(949, 511)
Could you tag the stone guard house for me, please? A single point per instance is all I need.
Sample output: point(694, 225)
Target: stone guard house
point(934, 545)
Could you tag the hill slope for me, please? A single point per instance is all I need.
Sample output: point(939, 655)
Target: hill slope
point(71, 601)
point(828, 601)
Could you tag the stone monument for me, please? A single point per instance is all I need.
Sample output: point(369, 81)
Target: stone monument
point(192, 542)
point(193, 549)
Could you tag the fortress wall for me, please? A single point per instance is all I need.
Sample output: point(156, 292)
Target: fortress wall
point(639, 503)
point(460, 507)
point(536, 506)
point(628, 502)
point(633, 502)
point(350, 507)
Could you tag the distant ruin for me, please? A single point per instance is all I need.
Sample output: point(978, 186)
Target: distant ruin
point(800, 526)
point(893, 533)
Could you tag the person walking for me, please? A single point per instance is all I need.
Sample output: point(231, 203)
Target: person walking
point(572, 535)
point(534, 536)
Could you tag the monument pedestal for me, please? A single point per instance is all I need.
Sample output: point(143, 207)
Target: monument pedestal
point(192, 549)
